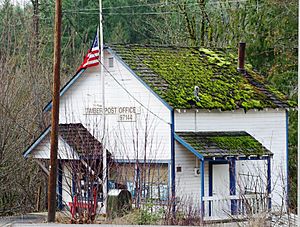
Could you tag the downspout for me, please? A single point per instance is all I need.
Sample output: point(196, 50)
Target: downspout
point(173, 195)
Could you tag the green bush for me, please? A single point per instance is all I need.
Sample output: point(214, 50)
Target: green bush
point(147, 215)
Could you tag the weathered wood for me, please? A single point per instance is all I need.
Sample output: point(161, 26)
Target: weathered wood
point(42, 166)
point(38, 199)
point(55, 115)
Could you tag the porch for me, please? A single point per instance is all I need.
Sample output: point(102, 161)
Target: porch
point(235, 206)
point(234, 173)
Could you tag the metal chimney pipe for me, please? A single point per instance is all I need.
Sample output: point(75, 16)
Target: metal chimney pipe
point(241, 58)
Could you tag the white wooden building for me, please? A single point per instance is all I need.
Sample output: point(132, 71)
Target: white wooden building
point(220, 151)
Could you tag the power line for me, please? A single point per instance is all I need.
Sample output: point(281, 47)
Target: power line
point(122, 7)
point(127, 14)
point(163, 5)
point(159, 5)
point(135, 6)
point(131, 94)
point(145, 13)
point(94, 11)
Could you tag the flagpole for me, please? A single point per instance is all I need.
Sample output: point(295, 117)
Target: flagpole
point(104, 155)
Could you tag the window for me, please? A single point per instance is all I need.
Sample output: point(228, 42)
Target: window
point(148, 180)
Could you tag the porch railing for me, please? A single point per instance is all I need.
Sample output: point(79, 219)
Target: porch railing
point(235, 206)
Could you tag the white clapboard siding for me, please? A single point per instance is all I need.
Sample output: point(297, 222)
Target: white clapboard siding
point(125, 140)
point(188, 186)
point(67, 184)
point(267, 126)
point(42, 150)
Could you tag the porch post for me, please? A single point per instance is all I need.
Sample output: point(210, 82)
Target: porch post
point(269, 183)
point(173, 194)
point(202, 189)
point(73, 185)
point(59, 184)
point(232, 177)
point(210, 186)
point(138, 187)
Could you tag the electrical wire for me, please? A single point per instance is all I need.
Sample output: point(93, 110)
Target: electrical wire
point(120, 7)
point(135, 6)
point(95, 11)
point(131, 94)
point(127, 14)
point(125, 6)
point(155, 5)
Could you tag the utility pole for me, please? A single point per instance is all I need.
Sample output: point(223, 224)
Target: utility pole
point(298, 164)
point(55, 115)
point(104, 155)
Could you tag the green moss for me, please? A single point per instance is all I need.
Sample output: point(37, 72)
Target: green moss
point(276, 92)
point(292, 103)
point(179, 70)
point(238, 144)
point(207, 51)
point(212, 144)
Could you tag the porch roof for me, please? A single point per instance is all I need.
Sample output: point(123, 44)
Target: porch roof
point(80, 139)
point(76, 136)
point(236, 144)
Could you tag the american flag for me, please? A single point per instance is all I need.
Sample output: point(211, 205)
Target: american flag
point(92, 57)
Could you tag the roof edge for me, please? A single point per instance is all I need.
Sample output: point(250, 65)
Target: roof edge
point(36, 142)
point(65, 88)
point(266, 109)
point(268, 152)
point(111, 51)
point(188, 146)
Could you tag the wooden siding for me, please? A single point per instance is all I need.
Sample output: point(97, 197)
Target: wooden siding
point(66, 184)
point(125, 140)
point(267, 126)
point(42, 150)
point(188, 186)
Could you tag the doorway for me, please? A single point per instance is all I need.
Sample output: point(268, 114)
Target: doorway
point(220, 189)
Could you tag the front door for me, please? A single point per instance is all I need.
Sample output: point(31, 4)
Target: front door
point(220, 190)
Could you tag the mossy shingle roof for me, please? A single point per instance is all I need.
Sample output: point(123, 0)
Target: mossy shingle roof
point(173, 72)
point(81, 140)
point(222, 144)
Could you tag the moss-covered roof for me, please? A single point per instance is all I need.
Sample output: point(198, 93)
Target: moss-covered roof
point(222, 144)
point(173, 72)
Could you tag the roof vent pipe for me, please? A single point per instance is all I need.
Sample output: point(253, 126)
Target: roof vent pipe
point(241, 60)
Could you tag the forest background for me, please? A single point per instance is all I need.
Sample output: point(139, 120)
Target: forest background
point(269, 27)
